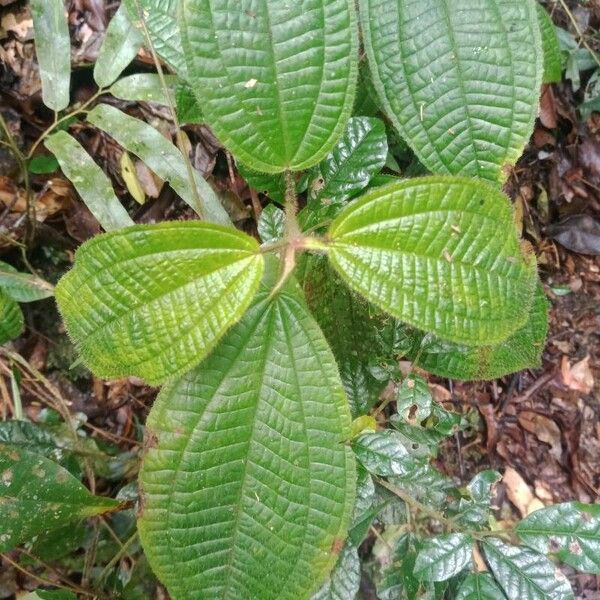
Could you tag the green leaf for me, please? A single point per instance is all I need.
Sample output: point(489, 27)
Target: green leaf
point(551, 46)
point(479, 586)
point(37, 495)
point(399, 581)
point(53, 51)
point(382, 453)
point(271, 224)
point(12, 323)
point(269, 184)
point(440, 253)
point(89, 180)
point(571, 531)
point(523, 573)
point(443, 556)
point(121, 45)
point(275, 80)
point(344, 580)
point(161, 156)
point(188, 109)
point(160, 17)
point(144, 87)
point(348, 168)
point(50, 595)
point(359, 334)
point(460, 85)
point(153, 300)
point(414, 399)
point(522, 350)
point(475, 511)
point(42, 164)
point(23, 287)
point(248, 482)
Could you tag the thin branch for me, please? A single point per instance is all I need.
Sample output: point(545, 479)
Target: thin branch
point(579, 32)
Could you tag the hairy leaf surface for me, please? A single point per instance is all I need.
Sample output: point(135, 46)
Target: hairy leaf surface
point(163, 157)
point(570, 530)
point(90, 181)
point(11, 319)
point(440, 253)
point(53, 51)
point(275, 79)
point(153, 300)
point(37, 495)
point(460, 81)
point(551, 45)
point(248, 482)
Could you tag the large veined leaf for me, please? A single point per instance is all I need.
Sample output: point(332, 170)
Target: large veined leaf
point(153, 300)
point(551, 46)
point(163, 157)
point(53, 51)
point(523, 573)
point(275, 80)
point(479, 586)
point(571, 531)
point(247, 482)
point(89, 180)
point(11, 319)
point(23, 287)
point(440, 253)
point(459, 81)
point(443, 556)
point(522, 350)
point(38, 495)
point(121, 44)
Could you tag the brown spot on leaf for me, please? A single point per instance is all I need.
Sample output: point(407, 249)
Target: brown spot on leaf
point(337, 545)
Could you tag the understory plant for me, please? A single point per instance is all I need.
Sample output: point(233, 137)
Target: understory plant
point(267, 456)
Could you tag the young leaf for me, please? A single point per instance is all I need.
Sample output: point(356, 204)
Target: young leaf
point(11, 319)
point(160, 17)
point(459, 82)
point(121, 45)
point(344, 580)
point(89, 180)
point(37, 495)
point(271, 224)
point(571, 531)
point(247, 481)
point(382, 453)
point(348, 168)
point(161, 156)
point(275, 80)
point(523, 573)
point(153, 300)
point(440, 253)
point(53, 51)
point(443, 556)
point(551, 46)
point(23, 287)
point(522, 350)
point(479, 586)
point(144, 87)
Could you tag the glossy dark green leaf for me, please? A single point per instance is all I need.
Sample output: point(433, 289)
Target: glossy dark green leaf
point(23, 287)
point(440, 253)
point(479, 586)
point(523, 573)
point(442, 556)
point(163, 157)
point(38, 495)
point(344, 581)
point(89, 180)
point(53, 51)
point(399, 581)
point(12, 323)
point(459, 81)
point(522, 350)
point(571, 531)
point(120, 46)
point(154, 300)
point(414, 399)
point(247, 481)
point(551, 46)
point(424, 483)
point(275, 80)
point(145, 87)
point(382, 453)
point(271, 224)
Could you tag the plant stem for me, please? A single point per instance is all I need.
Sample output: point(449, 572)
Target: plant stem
point(117, 557)
point(167, 94)
point(292, 228)
point(579, 32)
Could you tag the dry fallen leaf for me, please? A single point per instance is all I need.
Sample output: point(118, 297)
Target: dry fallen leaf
point(545, 429)
point(519, 493)
point(578, 377)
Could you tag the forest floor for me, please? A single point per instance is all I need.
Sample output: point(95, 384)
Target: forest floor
point(540, 428)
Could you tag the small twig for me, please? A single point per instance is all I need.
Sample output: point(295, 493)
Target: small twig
point(580, 33)
point(117, 557)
